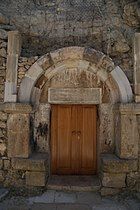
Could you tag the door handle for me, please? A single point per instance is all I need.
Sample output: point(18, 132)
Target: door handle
point(79, 133)
point(73, 132)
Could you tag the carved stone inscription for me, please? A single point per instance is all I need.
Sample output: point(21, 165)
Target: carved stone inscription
point(74, 95)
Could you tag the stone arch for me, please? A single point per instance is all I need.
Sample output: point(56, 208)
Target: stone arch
point(79, 58)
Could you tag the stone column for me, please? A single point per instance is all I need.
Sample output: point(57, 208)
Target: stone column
point(13, 50)
point(18, 129)
point(137, 67)
point(127, 143)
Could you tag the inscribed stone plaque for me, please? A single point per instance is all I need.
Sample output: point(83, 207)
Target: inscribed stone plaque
point(74, 95)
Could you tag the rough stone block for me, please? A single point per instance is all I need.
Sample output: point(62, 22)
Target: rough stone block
point(3, 34)
point(106, 128)
point(42, 122)
point(113, 180)
point(92, 55)
point(127, 146)
point(1, 175)
point(67, 53)
point(1, 163)
point(3, 53)
point(105, 191)
point(3, 19)
point(3, 116)
point(37, 162)
point(112, 164)
point(18, 135)
point(37, 179)
point(2, 124)
point(3, 147)
point(7, 164)
point(133, 179)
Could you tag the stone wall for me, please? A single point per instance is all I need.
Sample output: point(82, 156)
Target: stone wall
point(45, 25)
point(124, 166)
point(3, 133)
point(107, 26)
point(24, 64)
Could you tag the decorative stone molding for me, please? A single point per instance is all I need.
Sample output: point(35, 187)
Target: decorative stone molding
point(14, 48)
point(78, 58)
point(137, 67)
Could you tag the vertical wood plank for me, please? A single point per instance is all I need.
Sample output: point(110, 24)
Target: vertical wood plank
point(54, 134)
point(64, 138)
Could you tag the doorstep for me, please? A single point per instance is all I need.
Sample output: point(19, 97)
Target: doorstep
point(74, 183)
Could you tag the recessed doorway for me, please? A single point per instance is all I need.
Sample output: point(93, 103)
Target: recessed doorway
point(73, 139)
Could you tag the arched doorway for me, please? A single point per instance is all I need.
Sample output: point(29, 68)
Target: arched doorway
point(75, 76)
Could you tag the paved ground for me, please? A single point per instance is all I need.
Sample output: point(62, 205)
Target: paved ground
point(60, 200)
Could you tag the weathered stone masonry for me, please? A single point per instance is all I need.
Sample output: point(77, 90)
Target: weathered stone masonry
point(32, 84)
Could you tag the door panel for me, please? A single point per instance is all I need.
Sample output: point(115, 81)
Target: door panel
point(63, 140)
point(74, 143)
point(88, 144)
point(73, 139)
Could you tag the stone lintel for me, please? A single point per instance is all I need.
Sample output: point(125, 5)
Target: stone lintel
point(132, 108)
point(17, 108)
point(74, 95)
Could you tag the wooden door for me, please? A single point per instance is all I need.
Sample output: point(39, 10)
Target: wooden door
point(73, 139)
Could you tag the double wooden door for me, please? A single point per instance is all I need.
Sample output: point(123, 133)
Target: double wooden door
point(73, 139)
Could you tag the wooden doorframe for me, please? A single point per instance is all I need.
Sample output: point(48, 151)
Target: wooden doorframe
point(96, 132)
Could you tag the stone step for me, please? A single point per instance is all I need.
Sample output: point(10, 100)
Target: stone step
point(112, 164)
point(74, 183)
point(36, 162)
